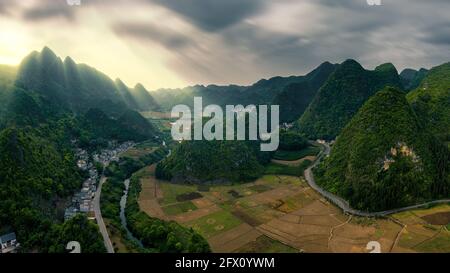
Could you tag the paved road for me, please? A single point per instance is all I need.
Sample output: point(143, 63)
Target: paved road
point(99, 218)
point(343, 204)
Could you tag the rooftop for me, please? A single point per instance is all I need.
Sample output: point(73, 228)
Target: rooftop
point(7, 237)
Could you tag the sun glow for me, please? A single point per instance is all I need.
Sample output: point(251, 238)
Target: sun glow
point(13, 46)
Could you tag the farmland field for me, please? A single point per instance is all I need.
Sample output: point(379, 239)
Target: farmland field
point(281, 213)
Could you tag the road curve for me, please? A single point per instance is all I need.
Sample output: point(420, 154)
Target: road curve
point(99, 218)
point(343, 204)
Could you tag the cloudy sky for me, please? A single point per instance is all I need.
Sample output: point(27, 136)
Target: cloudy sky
point(174, 43)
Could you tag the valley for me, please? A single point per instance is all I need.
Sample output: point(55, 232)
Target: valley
point(363, 157)
point(279, 213)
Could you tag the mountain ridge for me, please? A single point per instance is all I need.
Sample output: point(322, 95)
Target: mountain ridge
point(345, 91)
point(384, 158)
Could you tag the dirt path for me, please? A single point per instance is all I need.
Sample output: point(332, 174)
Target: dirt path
point(338, 226)
point(399, 234)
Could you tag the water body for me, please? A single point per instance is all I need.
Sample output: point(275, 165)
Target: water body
point(123, 219)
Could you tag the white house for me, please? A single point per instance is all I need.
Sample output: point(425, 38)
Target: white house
point(8, 243)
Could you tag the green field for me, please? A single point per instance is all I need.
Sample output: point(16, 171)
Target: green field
point(265, 244)
point(439, 244)
point(140, 150)
point(214, 224)
point(171, 191)
point(275, 168)
point(179, 208)
point(295, 155)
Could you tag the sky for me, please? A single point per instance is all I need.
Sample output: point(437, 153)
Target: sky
point(175, 43)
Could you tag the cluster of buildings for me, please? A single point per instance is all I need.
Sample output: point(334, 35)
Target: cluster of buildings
point(110, 155)
point(82, 201)
point(83, 159)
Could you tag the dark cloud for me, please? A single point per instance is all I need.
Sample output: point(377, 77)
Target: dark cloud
point(438, 34)
point(45, 10)
point(6, 5)
point(213, 15)
point(240, 41)
point(142, 31)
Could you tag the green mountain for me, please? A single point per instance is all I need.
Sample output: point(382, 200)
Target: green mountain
point(212, 94)
point(76, 87)
point(431, 101)
point(7, 77)
point(411, 78)
point(264, 91)
point(385, 159)
point(144, 99)
point(345, 91)
point(130, 126)
point(295, 97)
point(46, 104)
point(35, 177)
point(48, 90)
point(126, 95)
point(210, 161)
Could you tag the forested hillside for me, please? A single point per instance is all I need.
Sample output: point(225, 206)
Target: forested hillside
point(213, 161)
point(295, 97)
point(411, 78)
point(431, 101)
point(347, 89)
point(265, 91)
point(385, 158)
point(47, 105)
point(35, 178)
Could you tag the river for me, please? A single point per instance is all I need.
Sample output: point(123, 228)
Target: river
point(123, 218)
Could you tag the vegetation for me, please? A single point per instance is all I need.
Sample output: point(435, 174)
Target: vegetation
point(78, 229)
point(431, 101)
point(296, 155)
point(292, 141)
point(384, 159)
point(157, 235)
point(386, 155)
point(179, 208)
point(144, 99)
point(113, 190)
point(268, 245)
point(7, 76)
point(347, 89)
point(35, 180)
point(295, 97)
point(215, 223)
point(265, 91)
point(205, 161)
point(411, 78)
point(280, 169)
point(76, 87)
point(42, 114)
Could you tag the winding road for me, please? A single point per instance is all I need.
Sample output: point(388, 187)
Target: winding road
point(99, 218)
point(343, 204)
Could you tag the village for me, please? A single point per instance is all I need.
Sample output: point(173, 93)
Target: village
point(82, 201)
